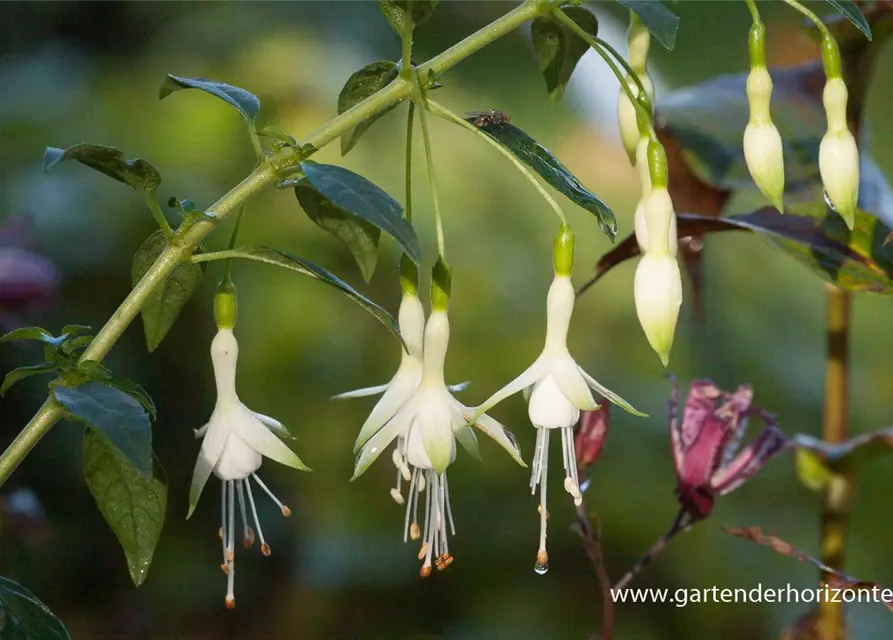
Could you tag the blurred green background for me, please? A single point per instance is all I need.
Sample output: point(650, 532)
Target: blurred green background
point(89, 72)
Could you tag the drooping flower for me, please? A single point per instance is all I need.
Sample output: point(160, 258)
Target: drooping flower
point(763, 151)
point(559, 389)
point(706, 444)
point(638, 40)
point(838, 154)
point(426, 428)
point(234, 443)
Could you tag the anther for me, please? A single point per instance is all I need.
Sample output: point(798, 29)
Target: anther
point(265, 549)
point(249, 538)
point(414, 531)
point(230, 555)
point(225, 568)
point(539, 510)
point(286, 511)
point(425, 571)
point(230, 602)
point(423, 551)
point(397, 496)
point(542, 558)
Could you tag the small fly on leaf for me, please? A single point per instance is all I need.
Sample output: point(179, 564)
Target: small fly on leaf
point(488, 118)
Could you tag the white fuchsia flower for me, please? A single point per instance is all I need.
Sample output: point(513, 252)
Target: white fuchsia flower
point(234, 443)
point(658, 293)
point(838, 154)
point(763, 151)
point(559, 389)
point(426, 428)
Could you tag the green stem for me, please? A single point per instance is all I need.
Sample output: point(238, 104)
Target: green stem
point(420, 99)
point(271, 170)
point(809, 14)
point(644, 115)
point(630, 72)
point(255, 143)
point(837, 499)
point(408, 27)
point(158, 214)
point(442, 112)
point(409, 119)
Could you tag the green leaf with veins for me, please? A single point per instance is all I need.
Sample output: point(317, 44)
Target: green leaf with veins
point(851, 11)
point(138, 174)
point(246, 103)
point(114, 413)
point(550, 169)
point(165, 303)
point(98, 372)
point(360, 236)
point(353, 193)
point(24, 617)
point(25, 372)
point(132, 503)
point(394, 12)
point(359, 86)
point(558, 49)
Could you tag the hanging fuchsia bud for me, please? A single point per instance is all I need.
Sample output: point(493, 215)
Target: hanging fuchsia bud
point(589, 438)
point(639, 41)
point(762, 142)
point(706, 443)
point(838, 154)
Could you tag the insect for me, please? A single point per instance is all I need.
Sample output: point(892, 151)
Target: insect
point(488, 118)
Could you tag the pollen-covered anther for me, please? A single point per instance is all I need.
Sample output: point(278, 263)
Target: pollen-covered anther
point(539, 510)
point(230, 554)
point(286, 511)
point(415, 532)
point(397, 496)
point(265, 549)
point(421, 483)
point(220, 533)
point(448, 561)
point(425, 571)
point(542, 558)
point(423, 551)
point(571, 487)
point(225, 568)
point(230, 602)
point(249, 538)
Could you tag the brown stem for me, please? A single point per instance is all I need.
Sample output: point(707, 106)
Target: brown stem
point(680, 524)
point(837, 496)
point(593, 547)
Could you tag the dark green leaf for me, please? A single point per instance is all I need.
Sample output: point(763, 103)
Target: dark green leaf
point(849, 10)
point(114, 413)
point(558, 49)
point(132, 503)
point(856, 260)
point(98, 372)
point(72, 345)
point(32, 333)
point(24, 617)
point(246, 103)
point(138, 174)
point(660, 21)
point(71, 330)
point(360, 237)
point(541, 160)
point(395, 12)
point(359, 86)
point(263, 253)
point(24, 372)
point(166, 302)
point(353, 193)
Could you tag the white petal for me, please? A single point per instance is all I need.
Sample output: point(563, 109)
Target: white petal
point(362, 393)
point(549, 408)
point(466, 437)
point(200, 433)
point(212, 447)
point(238, 460)
point(396, 426)
point(261, 439)
point(274, 425)
point(400, 390)
point(573, 386)
point(492, 428)
point(610, 395)
point(225, 355)
point(529, 376)
point(434, 422)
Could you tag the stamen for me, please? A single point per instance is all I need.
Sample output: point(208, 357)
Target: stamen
point(421, 483)
point(414, 531)
point(230, 520)
point(570, 465)
point(449, 509)
point(230, 583)
point(396, 495)
point(264, 547)
point(423, 551)
point(223, 519)
point(538, 453)
point(285, 510)
point(413, 498)
point(248, 540)
point(543, 480)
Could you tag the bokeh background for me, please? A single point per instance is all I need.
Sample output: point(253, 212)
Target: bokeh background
point(90, 72)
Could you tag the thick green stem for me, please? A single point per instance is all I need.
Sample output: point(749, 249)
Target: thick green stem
point(420, 99)
point(271, 170)
point(838, 494)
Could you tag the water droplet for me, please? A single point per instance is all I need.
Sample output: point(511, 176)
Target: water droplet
point(540, 568)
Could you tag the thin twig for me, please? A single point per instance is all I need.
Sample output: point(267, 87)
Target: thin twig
point(593, 547)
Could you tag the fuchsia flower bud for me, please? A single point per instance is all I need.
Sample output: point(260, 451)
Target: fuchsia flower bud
point(589, 437)
point(706, 443)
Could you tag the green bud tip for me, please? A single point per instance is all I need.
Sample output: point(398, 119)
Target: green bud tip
point(409, 276)
point(756, 45)
point(831, 57)
point(657, 163)
point(441, 285)
point(226, 306)
point(563, 255)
